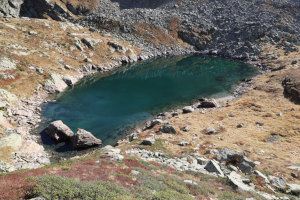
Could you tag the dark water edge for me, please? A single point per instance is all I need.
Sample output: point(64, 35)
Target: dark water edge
point(192, 76)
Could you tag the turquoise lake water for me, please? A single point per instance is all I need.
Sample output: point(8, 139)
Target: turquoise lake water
point(108, 104)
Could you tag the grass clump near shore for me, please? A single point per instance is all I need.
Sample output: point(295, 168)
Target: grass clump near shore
point(56, 187)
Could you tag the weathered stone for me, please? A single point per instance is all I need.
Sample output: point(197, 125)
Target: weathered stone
point(59, 132)
point(154, 122)
point(259, 174)
point(132, 136)
point(84, 139)
point(293, 189)
point(183, 143)
point(167, 129)
point(186, 129)
point(229, 155)
point(237, 183)
point(188, 109)
point(148, 141)
point(245, 167)
point(213, 167)
point(209, 104)
point(294, 175)
point(55, 84)
point(202, 161)
point(211, 151)
point(209, 131)
point(279, 183)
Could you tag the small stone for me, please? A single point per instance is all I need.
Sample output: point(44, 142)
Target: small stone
point(279, 114)
point(183, 143)
point(188, 109)
point(202, 112)
point(209, 131)
point(294, 175)
point(191, 182)
point(241, 125)
point(202, 161)
point(293, 109)
point(167, 129)
point(148, 141)
point(133, 136)
point(259, 123)
point(294, 62)
point(88, 60)
point(32, 33)
point(186, 129)
point(211, 151)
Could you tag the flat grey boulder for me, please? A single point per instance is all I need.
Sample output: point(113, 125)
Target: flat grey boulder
point(84, 139)
point(59, 132)
point(167, 129)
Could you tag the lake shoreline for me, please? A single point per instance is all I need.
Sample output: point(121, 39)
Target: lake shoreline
point(239, 89)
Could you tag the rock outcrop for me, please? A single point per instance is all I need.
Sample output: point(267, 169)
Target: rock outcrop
point(10, 8)
point(292, 88)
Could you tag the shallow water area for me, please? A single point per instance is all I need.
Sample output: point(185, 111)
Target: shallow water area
point(109, 104)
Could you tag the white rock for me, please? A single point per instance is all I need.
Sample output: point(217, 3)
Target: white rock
point(237, 182)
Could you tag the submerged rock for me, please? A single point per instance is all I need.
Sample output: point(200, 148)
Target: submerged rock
point(84, 139)
point(59, 132)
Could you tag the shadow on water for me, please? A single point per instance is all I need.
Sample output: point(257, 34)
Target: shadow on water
point(110, 105)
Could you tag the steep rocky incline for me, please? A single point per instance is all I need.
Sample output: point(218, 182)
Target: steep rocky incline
point(232, 27)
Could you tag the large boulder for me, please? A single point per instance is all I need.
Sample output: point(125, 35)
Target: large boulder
point(59, 132)
point(84, 139)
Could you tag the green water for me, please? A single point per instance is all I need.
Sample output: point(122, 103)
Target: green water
point(108, 104)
